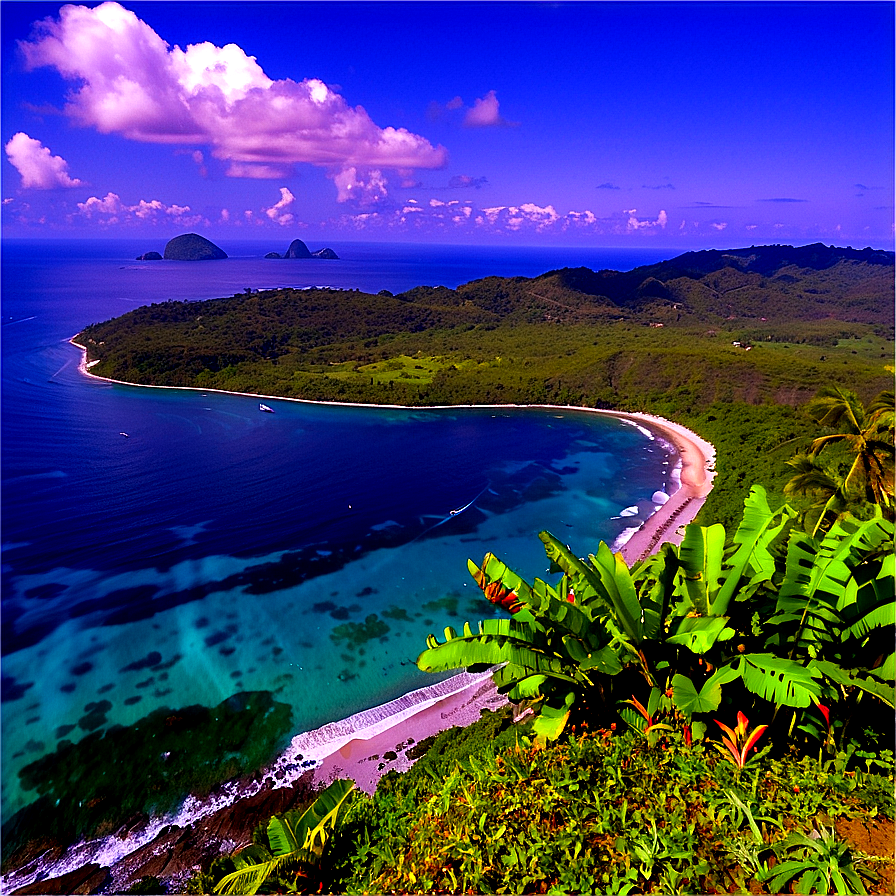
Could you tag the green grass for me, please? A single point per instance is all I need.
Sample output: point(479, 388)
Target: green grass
point(603, 812)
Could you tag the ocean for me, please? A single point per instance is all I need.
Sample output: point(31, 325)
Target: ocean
point(163, 548)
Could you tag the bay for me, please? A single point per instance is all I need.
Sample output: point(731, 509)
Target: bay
point(171, 547)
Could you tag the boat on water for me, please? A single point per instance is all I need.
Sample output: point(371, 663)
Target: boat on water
point(266, 409)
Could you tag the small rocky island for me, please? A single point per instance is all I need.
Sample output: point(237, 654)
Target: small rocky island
point(149, 256)
point(192, 247)
point(297, 249)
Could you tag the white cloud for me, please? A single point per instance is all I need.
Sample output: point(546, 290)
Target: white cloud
point(110, 210)
point(486, 113)
point(131, 83)
point(636, 224)
point(38, 167)
point(277, 212)
point(362, 187)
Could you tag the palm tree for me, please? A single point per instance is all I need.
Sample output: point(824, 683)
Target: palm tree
point(866, 434)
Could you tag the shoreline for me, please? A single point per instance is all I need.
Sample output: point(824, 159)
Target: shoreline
point(696, 456)
point(366, 745)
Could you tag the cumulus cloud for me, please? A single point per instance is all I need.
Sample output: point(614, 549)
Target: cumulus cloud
point(277, 212)
point(460, 217)
point(486, 113)
point(110, 210)
point(638, 224)
point(132, 83)
point(362, 187)
point(39, 168)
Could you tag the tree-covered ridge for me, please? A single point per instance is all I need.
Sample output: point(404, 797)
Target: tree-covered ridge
point(728, 342)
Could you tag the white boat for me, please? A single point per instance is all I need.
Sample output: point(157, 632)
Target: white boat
point(265, 408)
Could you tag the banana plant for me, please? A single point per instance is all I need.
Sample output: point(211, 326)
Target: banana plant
point(296, 844)
point(682, 619)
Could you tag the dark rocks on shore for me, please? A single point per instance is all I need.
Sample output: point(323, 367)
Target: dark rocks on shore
point(149, 256)
point(192, 247)
point(297, 249)
point(87, 879)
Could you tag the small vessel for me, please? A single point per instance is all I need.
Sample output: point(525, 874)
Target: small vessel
point(266, 409)
point(124, 434)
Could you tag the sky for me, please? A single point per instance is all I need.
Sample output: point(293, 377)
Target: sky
point(683, 125)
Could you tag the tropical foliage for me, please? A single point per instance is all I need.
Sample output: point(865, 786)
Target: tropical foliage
point(295, 846)
point(779, 621)
point(860, 474)
point(604, 812)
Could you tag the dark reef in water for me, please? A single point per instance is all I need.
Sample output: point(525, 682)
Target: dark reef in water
point(110, 778)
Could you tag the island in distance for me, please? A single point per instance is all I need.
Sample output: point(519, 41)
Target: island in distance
point(186, 247)
point(297, 249)
point(193, 247)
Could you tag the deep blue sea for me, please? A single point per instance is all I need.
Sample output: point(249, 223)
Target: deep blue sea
point(217, 549)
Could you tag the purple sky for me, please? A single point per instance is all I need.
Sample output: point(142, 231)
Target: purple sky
point(606, 124)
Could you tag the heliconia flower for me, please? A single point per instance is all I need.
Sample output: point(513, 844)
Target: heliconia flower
point(826, 712)
point(503, 597)
point(739, 734)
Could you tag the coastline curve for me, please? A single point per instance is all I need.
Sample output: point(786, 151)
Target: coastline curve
point(348, 748)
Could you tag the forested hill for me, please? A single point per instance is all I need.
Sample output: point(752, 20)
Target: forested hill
point(603, 338)
point(727, 342)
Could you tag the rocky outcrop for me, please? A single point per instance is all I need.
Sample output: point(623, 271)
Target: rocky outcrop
point(297, 249)
point(192, 247)
point(149, 256)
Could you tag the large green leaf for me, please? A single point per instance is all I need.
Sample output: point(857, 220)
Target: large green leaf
point(689, 700)
point(781, 681)
point(700, 555)
point(864, 681)
point(290, 832)
point(294, 838)
point(654, 580)
point(499, 641)
point(606, 582)
point(699, 633)
point(247, 880)
point(552, 718)
point(752, 560)
point(617, 581)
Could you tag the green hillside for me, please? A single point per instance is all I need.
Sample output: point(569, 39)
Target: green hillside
point(759, 329)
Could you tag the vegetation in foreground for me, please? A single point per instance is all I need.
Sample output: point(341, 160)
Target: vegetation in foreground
point(602, 811)
point(640, 770)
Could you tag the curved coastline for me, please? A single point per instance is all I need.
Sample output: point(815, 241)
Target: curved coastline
point(353, 747)
point(694, 473)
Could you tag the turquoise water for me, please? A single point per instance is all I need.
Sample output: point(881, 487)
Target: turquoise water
point(216, 549)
